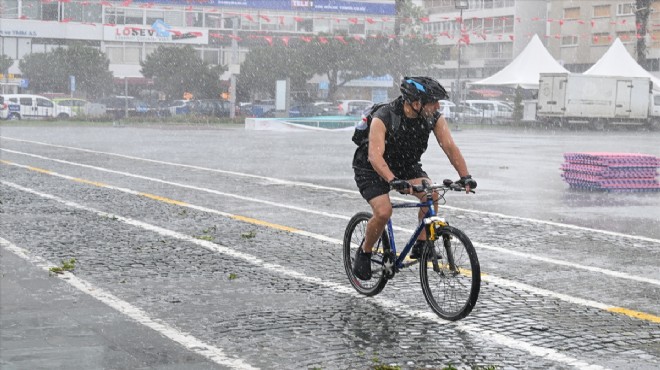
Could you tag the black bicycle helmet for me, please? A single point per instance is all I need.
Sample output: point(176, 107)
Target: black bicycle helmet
point(425, 89)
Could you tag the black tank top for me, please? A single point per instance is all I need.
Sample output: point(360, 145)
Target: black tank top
point(404, 145)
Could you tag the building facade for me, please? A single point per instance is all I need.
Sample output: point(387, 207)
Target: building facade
point(488, 33)
point(582, 31)
point(128, 31)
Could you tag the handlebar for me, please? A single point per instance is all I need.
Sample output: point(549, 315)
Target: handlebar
point(446, 186)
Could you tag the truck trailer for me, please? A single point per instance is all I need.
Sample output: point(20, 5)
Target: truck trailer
point(597, 101)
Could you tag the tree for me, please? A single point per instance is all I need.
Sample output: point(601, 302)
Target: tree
point(177, 70)
point(518, 105)
point(337, 57)
point(5, 63)
point(49, 72)
point(264, 65)
point(642, 13)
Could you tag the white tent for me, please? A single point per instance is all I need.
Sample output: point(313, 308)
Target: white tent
point(617, 61)
point(525, 69)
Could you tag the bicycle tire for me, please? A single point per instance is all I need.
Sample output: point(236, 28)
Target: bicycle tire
point(452, 292)
point(353, 237)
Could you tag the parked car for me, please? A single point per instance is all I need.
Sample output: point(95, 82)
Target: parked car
point(262, 108)
point(77, 105)
point(28, 106)
point(353, 107)
point(467, 114)
point(178, 107)
point(493, 110)
point(116, 106)
point(9, 110)
point(210, 107)
point(312, 110)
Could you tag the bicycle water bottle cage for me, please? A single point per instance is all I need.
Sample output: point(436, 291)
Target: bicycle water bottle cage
point(434, 222)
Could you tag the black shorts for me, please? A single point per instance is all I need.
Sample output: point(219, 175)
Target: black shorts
point(372, 185)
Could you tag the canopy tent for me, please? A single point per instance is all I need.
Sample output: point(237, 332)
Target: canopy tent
point(525, 69)
point(617, 61)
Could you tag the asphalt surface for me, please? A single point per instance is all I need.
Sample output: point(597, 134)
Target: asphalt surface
point(201, 248)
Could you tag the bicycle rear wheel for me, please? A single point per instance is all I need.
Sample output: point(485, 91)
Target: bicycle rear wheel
point(353, 239)
point(450, 277)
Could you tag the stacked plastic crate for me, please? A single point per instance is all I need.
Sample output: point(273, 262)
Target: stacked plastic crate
point(611, 171)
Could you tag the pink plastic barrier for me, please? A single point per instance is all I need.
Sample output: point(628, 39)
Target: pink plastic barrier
point(611, 171)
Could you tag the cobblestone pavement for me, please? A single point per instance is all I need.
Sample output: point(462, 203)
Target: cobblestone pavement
point(270, 298)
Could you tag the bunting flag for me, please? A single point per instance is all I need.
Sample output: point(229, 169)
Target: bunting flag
point(341, 39)
point(264, 17)
point(285, 40)
point(269, 40)
point(322, 40)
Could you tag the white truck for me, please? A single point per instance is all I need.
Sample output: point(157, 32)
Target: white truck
point(597, 101)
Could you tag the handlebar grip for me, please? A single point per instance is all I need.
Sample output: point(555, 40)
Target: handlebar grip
point(419, 188)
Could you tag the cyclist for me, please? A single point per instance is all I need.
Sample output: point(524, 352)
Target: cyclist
point(391, 158)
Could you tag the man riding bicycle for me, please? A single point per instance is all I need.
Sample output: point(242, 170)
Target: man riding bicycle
point(391, 158)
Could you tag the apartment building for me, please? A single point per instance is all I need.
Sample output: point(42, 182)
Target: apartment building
point(581, 31)
point(489, 34)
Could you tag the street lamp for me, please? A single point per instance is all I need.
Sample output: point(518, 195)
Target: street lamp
point(460, 5)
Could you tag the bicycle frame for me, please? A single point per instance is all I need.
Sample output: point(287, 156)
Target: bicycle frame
point(429, 217)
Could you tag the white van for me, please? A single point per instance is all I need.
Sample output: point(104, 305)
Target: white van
point(492, 110)
point(27, 106)
point(447, 108)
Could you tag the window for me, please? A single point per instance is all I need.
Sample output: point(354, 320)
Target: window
point(600, 39)
point(569, 41)
point(44, 103)
point(601, 11)
point(25, 101)
point(572, 13)
point(322, 25)
point(133, 16)
point(625, 9)
point(49, 11)
point(627, 36)
point(306, 25)
point(194, 19)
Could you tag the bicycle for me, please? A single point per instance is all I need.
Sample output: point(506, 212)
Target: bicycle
point(448, 259)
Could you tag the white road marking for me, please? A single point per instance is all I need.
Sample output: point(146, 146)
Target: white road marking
point(617, 274)
point(314, 186)
point(186, 340)
point(545, 353)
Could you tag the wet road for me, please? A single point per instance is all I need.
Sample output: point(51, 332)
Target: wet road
point(219, 248)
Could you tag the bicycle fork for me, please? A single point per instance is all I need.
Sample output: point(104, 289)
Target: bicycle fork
point(434, 226)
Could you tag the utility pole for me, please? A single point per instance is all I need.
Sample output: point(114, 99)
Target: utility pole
point(234, 62)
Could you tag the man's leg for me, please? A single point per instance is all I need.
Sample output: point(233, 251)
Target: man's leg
point(381, 207)
point(416, 252)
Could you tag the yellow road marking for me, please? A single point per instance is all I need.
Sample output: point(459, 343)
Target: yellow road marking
point(163, 199)
point(264, 223)
point(99, 184)
point(635, 314)
point(467, 272)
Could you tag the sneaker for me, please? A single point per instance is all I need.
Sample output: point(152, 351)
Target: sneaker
point(362, 265)
point(417, 249)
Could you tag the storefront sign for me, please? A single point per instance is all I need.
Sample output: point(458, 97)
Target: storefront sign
point(159, 32)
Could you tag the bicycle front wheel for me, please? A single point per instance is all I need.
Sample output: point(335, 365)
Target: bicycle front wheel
point(356, 230)
point(450, 274)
